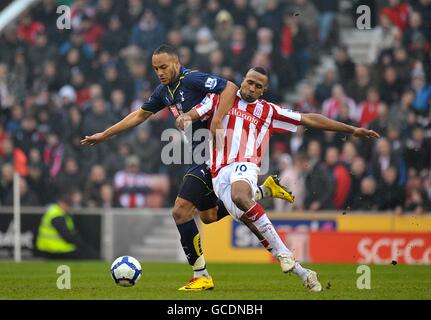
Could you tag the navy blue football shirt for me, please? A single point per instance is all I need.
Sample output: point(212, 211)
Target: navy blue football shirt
point(183, 95)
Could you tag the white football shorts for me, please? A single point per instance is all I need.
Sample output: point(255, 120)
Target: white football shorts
point(237, 171)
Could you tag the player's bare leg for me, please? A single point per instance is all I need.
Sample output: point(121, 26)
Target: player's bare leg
point(183, 213)
point(241, 194)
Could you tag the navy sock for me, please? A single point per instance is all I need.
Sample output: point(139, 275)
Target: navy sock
point(222, 211)
point(190, 240)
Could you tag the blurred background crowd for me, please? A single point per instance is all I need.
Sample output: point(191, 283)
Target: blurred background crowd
point(56, 86)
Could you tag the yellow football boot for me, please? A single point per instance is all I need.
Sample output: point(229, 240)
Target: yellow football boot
point(277, 190)
point(198, 284)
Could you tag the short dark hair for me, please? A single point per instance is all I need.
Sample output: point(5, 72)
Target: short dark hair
point(165, 48)
point(260, 70)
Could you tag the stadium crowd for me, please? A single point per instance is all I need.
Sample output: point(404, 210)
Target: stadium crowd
point(56, 86)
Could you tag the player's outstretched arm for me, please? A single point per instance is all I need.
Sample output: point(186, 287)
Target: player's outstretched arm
point(131, 120)
point(318, 121)
point(227, 99)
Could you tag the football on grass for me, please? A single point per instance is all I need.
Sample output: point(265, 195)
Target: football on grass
point(126, 271)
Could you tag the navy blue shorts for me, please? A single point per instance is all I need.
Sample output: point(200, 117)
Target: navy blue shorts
point(197, 188)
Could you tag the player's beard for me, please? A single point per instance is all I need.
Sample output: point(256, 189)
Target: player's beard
point(248, 98)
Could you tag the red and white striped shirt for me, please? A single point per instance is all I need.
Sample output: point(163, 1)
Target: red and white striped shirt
point(248, 128)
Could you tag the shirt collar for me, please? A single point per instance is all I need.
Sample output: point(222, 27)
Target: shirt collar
point(182, 71)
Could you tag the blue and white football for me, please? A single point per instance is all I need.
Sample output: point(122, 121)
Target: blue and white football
point(126, 271)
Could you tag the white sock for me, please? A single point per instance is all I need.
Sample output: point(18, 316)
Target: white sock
point(300, 271)
point(199, 268)
point(265, 227)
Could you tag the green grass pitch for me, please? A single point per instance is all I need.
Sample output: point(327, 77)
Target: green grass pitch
point(92, 280)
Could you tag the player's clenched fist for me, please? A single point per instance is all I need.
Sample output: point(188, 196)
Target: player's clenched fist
point(93, 139)
point(183, 121)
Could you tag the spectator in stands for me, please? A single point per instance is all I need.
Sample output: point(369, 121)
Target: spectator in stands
point(205, 45)
point(14, 156)
point(27, 136)
point(381, 122)
point(107, 197)
point(216, 62)
point(295, 44)
point(383, 158)
point(6, 181)
point(340, 177)
point(309, 17)
point(415, 38)
point(238, 49)
point(132, 13)
point(366, 200)
point(402, 64)
point(92, 190)
point(147, 149)
point(357, 88)
point(308, 102)
point(424, 8)
point(327, 11)
point(148, 33)
point(400, 110)
point(391, 194)
point(291, 175)
point(28, 28)
point(324, 88)
point(418, 150)
point(331, 107)
point(104, 11)
point(27, 196)
point(421, 103)
point(70, 177)
point(368, 108)
point(38, 182)
point(357, 174)
point(41, 51)
point(224, 27)
point(271, 16)
point(348, 154)
point(132, 185)
point(115, 37)
point(383, 38)
point(76, 40)
point(53, 154)
point(316, 180)
point(398, 13)
point(345, 65)
point(390, 87)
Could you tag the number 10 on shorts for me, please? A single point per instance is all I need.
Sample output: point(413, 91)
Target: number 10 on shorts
point(241, 167)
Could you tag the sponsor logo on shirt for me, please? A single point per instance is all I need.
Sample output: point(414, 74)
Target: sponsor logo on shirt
point(244, 115)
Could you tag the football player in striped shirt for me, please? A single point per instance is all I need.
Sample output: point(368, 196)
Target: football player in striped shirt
point(235, 162)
